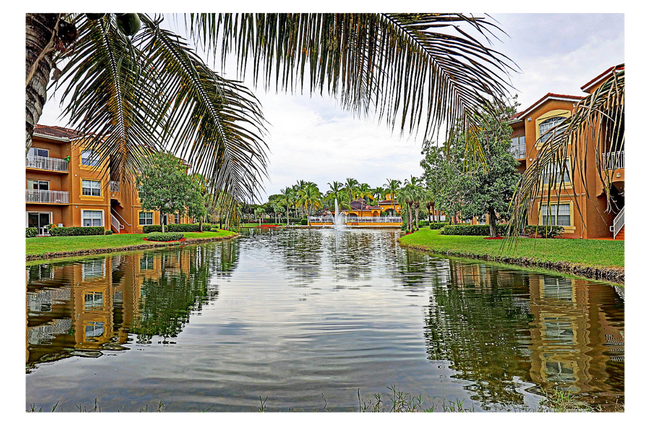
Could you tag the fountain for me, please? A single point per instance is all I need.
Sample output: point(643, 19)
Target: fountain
point(338, 217)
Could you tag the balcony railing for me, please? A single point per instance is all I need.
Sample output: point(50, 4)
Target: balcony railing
point(47, 163)
point(114, 185)
point(329, 219)
point(46, 196)
point(614, 160)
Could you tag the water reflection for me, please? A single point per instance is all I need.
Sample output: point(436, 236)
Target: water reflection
point(298, 314)
point(80, 308)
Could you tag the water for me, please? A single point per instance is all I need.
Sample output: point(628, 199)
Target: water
point(313, 320)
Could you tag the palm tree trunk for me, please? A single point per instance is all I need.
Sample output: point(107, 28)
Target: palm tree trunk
point(39, 60)
point(492, 216)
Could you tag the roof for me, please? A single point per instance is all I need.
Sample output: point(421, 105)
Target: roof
point(53, 131)
point(600, 78)
point(546, 97)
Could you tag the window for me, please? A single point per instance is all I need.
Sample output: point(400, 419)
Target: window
point(91, 188)
point(92, 218)
point(146, 262)
point(176, 218)
point(145, 218)
point(560, 215)
point(38, 152)
point(92, 269)
point(557, 174)
point(89, 158)
point(94, 330)
point(518, 147)
point(93, 300)
point(547, 125)
point(38, 184)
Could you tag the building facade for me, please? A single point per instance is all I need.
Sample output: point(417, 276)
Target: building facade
point(580, 206)
point(68, 186)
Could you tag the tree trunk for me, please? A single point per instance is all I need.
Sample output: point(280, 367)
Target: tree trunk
point(492, 216)
point(162, 223)
point(39, 53)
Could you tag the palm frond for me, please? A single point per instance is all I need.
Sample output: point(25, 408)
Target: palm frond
point(416, 71)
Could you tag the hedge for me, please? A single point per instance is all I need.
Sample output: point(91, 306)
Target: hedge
point(175, 228)
point(439, 225)
point(474, 230)
point(31, 232)
point(164, 237)
point(544, 231)
point(77, 231)
point(502, 230)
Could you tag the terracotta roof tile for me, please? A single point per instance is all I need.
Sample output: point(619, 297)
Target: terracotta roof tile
point(54, 131)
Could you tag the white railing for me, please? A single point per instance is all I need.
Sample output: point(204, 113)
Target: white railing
point(614, 160)
point(46, 163)
point(116, 214)
point(116, 223)
point(619, 222)
point(46, 196)
point(114, 186)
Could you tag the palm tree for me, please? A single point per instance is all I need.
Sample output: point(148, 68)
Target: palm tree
point(414, 194)
point(365, 192)
point(287, 200)
point(378, 194)
point(599, 116)
point(391, 189)
point(404, 198)
point(131, 86)
point(351, 187)
point(309, 197)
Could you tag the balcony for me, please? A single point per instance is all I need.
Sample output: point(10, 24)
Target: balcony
point(46, 196)
point(47, 163)
point(614, 160)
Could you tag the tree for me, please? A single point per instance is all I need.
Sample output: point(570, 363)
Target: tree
point(164, 186)
point(351, 187)
point(488, 189)
point(130, 88)
point(309, 197)
point(391, 189)
point(197, 204)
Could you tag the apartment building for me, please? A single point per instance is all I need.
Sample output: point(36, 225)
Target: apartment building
point(582, 207)
point(68, 186)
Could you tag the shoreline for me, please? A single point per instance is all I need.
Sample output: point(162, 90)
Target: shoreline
point(138, 247)
point(609, 274)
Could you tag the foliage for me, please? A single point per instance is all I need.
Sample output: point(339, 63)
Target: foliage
point(164, 237)
point(31, 232)
point(175, 228)
point(77, 231)
point(164, 186)
point(544, 231)
point(472, 230)
point(438, 225)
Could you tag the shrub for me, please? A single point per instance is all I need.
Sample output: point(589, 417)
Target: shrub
point(439, 225)
point(76, 231)
point(475, 230)
point(109, 232)
point(544, 231)
point(164, 237)
point(31, 232)
point(423, 223)
point(303, 221)
point(173, 228)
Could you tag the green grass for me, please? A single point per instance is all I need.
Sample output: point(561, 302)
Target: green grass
point(62, 244)
point(582, 252)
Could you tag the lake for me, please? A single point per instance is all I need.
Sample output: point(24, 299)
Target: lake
point(314, 320)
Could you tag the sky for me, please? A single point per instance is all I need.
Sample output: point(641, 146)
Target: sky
point(311, 138)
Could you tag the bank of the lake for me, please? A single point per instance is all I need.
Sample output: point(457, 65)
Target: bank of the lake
point(593, 259)
point(73, 246)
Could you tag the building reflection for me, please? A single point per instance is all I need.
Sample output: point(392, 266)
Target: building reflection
point(81, 308)
point(499, 327)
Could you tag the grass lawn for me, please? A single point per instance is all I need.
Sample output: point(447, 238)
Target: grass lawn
point(583, 252)
point(39, 246)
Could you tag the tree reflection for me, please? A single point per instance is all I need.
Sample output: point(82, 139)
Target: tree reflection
point(482, 330)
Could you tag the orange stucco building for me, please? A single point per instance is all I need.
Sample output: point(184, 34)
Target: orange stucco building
point(67, 186)
point(580, 206)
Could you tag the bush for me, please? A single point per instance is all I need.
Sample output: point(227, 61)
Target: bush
point(472, 230)
point(109, 232)
point(164, 237)
point(173, 228)
point(544, 231)
point(423, 223)
point(439, 225)
point(76, 231)
point(303, 222)
point(31, 232)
